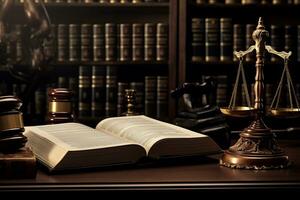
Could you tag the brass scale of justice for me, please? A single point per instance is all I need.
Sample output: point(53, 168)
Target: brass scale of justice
point(257, 147)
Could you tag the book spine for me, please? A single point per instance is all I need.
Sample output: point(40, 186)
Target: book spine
point(50, 44)
point(232, 1)
point(238, 38)
point(150, 95)
point(150, 42)
point(249, 41)
point(62, 82)
point(121, 106)
point(162, 98)
point(125, 38)
point(19, 57)
point(250, 1)
point(277, 40)
point(201, 2)
point(279, 2)
point(111, 91)
point(62, 42)
point(98, 42)
point(86, 42)
point(110, 42)
point(40, 104)
point(298, 43)
point(84, 99)
point(221, 99)
point(98, 91)
point(10, 51)
point(290, 40)
point(137, 42)
point(74, 42)
point(198, 39)
point(162, 42)
point(139, 96)
point(226, 42)
point(212, 39)
point(214, 1)
point(73, 86)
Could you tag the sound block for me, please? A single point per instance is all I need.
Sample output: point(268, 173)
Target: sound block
point(20, 164)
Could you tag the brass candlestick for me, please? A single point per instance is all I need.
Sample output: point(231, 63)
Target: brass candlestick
point(130, 95)
point(257, 147)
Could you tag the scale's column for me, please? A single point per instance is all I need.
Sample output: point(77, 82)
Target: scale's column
point(257, 147)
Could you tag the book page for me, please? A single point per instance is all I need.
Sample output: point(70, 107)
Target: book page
point(74, 136)
point(144, 130)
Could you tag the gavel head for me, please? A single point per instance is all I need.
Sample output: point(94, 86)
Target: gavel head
point(11, 124)
point(60, 105)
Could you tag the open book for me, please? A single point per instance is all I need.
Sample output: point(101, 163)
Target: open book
point(115, 141)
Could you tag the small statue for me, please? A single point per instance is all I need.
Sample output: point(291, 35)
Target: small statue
point(11, 124)
point(60, 108)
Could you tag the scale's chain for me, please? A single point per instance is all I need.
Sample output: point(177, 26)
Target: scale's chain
point(234, 93)
point(290, 85)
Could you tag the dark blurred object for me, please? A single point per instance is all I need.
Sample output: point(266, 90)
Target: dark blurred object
point(130, 96)
point(16, 160)
point(192, 94)
point(60, 107)
point(200, 116)
point(11, 124)
point(39, 26)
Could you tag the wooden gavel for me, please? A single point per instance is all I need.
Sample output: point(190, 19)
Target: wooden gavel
point(60, 106)
point(11, 124)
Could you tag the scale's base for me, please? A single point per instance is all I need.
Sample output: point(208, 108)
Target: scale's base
point(256, 148)
point(233, 160)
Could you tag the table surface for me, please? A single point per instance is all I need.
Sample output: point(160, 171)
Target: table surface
point(196, 174)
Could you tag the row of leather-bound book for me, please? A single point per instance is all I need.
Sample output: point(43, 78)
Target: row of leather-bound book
point(274, 2)
point(215, 39)
point(99, 1)
point(98, 42)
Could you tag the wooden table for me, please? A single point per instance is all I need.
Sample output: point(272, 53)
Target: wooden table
point(192, 175)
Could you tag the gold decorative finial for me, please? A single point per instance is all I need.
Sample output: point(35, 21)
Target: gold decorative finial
point(260, 24)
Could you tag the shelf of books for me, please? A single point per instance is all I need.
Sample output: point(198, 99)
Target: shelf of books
point(212, 30)
point(99, 54)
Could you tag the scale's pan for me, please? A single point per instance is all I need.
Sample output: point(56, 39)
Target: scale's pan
point(239, 111)
point(285, 112)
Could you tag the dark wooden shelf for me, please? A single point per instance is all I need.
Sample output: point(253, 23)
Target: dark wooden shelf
point(148, 7)
point(119, 63)
point(231, 7)
point(249, 11)
point(109, 5)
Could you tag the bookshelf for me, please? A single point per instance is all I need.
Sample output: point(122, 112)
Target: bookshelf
point(128, 71)
point(274, 15)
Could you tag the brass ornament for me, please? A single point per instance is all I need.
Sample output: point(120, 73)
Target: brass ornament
point(257, 147)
